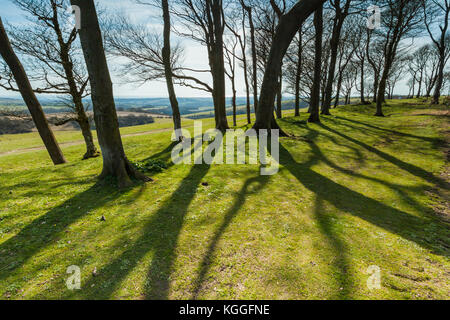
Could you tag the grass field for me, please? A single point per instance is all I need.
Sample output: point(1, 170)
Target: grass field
point(353, 192)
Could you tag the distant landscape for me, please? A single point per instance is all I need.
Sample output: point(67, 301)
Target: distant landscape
point(188, 106)
point(131, 111)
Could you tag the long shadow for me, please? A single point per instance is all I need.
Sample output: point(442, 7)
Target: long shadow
point(163, 155)
point(412, 169)
point(344, 279)
point(390, 131)
point(159, 236)
point(318, 154)
point(393, 220)
point(43, 231)
point(238, 203)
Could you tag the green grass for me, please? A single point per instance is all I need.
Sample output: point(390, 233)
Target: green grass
point(352, 192)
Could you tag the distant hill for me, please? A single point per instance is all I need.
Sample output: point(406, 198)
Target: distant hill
point(188, 106)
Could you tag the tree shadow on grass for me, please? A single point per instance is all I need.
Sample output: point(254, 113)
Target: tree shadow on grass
point(205, 265)
point(412, 169)
point(407, 226)
point(389, 131)
point(44, 231)
point(159, 236)
point(343, 278)
point(400, 189)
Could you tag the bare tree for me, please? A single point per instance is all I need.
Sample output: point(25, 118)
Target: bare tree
point(315, 92)
point(397, 72)
point(115, 163)
point(54, 58)
point(24, 86)
point(348, 46)
point(375, 57)
point(431, 70)
point(342, 10)
point(437, 14)
point(418, 65)
point(249, 10)
point(400, 19)
point(287, 29)
point(235, 22)
point(203, 21)
point(166, 55)
point(230, 57)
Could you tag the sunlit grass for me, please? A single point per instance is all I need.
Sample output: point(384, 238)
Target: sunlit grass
point(351, 192)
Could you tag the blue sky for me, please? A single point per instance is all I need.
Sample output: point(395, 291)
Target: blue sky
point(195, 56)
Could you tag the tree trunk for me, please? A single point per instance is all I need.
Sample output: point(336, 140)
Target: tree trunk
point(29, 97)
point(83, 121)
point(233, 88)
point(217, 65)
point(247, 95)
point(280, 96)
point(245, 67)
point(287, 29)
point(315, 93)
point(375, 89)
point(298, 73)
point(420, 85)
point(338, 91)
point(389, 59)
point(91, 150)
point(382, 91)
point(440, 79)
point(363, 99)
point(115, 163)
point(334, 44)
point(254, 58)
point(166, 54)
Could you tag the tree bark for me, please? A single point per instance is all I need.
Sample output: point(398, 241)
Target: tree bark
point(75, 93)
point(363, 99)
point(338, 91)
point(233, 102)
point(287, 29)
point(442, 47)
point(315, 92)
point(334, 45)
point(440, 77)
point(298, 73)
point(29, 97)
point(245, 67)
point(217, 64)
point(85, 126)
point(166, 54)
point(254, 55)
point(115, 163)
point(420, 85)
point(389, 59)
point(280, 96)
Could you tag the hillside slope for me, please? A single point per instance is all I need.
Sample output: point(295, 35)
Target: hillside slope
point(353, 192)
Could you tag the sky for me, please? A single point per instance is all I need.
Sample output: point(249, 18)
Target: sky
point(195, 55)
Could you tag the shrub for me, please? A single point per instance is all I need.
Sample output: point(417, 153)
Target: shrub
point(150, 165)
